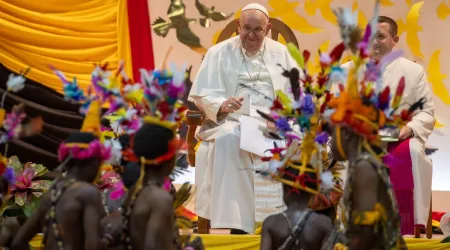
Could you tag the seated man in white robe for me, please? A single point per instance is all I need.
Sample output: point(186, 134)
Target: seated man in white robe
point(245, 65)
point(411, 174)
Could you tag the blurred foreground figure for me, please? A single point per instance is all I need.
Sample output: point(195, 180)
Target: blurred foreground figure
point(411, 175)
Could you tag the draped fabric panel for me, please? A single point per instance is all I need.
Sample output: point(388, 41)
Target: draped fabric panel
point(72, 35)
point(140, 36)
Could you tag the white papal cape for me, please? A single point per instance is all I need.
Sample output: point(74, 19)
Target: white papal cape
point(416, 87)
point(224, 181)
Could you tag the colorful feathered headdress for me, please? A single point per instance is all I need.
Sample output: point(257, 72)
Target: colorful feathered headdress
point(299, 122)
point(91, 124)
point(363, 104)
point(162, 93)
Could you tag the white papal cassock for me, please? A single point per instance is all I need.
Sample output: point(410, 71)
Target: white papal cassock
point(416, 87)
point(223, 175)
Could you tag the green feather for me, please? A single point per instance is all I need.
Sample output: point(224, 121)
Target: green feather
point(182, 195)
point(296, 54)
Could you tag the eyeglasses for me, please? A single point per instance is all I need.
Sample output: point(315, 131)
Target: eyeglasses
point(381, 37)
point(256, 31)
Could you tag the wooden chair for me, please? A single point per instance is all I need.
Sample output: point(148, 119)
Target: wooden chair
point(195, 118)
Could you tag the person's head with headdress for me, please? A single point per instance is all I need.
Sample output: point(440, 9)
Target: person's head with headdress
point(156, 145)
point(83, 152)
point(299, 120)
point(300, 166)
point(363, 106)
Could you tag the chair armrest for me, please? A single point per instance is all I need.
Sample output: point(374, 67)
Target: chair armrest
point(194, 118)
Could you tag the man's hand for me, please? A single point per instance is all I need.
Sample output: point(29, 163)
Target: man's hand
point(271, 125)
point(405, 133)
point(231, 105)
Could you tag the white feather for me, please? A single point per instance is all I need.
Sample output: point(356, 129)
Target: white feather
point(15, 83)
point(146, 78)
point(116, 151)
point(274, 165)
point(327, 181)
point(178, 75)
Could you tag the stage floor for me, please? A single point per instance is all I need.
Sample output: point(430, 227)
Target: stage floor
point(251, 242)
point(220, 240)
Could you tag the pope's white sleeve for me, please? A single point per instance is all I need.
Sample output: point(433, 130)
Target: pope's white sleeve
point(208, 90)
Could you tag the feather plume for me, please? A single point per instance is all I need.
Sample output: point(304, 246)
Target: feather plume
point(417, 105)
point(384, 98)
point(327, 181)
point(398, 93)
point(15, 83)
point(266, 116)
point(33, 127)
point(296, 55)
point(182, 195)
point(387, 59)
point(374, 22)
point(337, 52)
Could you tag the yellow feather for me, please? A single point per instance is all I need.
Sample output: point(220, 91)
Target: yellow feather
point(284, 99)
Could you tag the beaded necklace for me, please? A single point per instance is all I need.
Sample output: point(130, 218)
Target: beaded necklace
point(50, 218)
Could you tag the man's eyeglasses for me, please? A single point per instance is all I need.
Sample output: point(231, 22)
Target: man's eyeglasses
point(256, 31)
point(381, 37)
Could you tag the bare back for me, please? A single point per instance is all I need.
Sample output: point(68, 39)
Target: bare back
point(368, 188)
point(70, 215)
point(276, 230)
point(152, 219)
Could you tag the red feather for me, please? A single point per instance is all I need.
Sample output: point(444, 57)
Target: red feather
point(306, 55)
point(383, 98)
point(277, 105)
point(337, 52)
point(399, 93)
point(400, 87)
point(321, 80)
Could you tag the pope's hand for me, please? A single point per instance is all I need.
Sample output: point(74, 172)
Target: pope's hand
point(405, 133)
point(231, 104)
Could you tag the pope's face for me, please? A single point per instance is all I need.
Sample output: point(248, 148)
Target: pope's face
point(253, 26)
point(384, 41)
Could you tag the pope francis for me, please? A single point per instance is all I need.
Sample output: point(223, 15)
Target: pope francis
point(242, 66)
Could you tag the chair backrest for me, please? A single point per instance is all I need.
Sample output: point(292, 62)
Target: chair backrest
point(278, 28)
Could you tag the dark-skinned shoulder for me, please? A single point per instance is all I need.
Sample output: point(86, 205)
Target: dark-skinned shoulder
point(86, 191)
point(161, 195)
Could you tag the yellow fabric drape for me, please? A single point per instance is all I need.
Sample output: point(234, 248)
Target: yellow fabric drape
point(251, 242)
point(71, 35)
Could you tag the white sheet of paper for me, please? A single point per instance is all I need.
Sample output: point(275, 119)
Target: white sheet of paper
point(245, 109)
point(253, 139)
